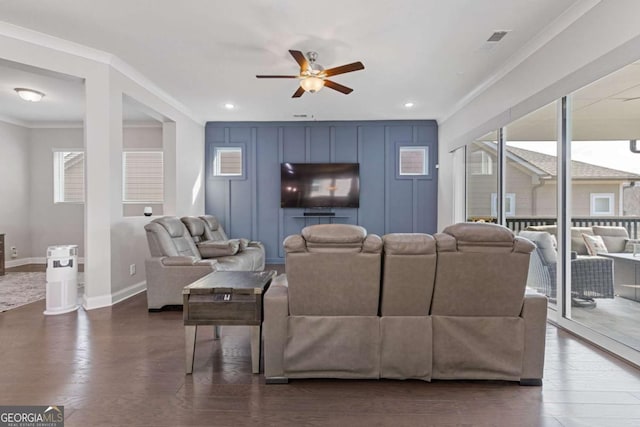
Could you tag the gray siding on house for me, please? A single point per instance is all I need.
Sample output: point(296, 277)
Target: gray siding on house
point(249, 206)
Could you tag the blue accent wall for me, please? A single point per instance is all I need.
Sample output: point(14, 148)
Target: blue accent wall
point(249, 206)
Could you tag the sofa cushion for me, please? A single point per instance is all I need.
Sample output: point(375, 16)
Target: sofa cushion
point(211, 249)
point(173, 225)
point(615, 238)
point(545, 243)
point(334, 233)
point(409, 244)
point(595, 245)
point(629, 245)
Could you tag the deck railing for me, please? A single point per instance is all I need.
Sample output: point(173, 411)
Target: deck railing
point(632, 224)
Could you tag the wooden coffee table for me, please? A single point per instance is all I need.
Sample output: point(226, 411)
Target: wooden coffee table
point(225, 298)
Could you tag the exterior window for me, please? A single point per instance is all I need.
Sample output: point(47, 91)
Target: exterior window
point(68, 177)
point(414, 161)
point(509, 204)
point(481, 163)
point(601, 204)
point(143, 177)
point(227, 161)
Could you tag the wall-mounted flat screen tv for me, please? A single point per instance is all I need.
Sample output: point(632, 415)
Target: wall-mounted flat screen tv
point(319, 185)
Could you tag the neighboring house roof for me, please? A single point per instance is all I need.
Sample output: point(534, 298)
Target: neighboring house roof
point(579, 170)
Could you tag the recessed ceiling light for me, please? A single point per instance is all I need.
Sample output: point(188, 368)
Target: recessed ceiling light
point(29, 94)
point(229, 106)
point(408, 104)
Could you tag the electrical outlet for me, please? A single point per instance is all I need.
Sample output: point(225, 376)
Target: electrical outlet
point(14, 252)
point(132, 269)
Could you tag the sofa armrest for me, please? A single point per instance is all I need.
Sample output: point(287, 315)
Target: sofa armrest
point(534, 313)
point(275, 326)
point(173, 261)
point(165, 282)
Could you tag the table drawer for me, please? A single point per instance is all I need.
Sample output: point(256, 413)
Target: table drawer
point(222, 306)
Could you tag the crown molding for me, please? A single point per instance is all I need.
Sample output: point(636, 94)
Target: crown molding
point(76, 49)
point(544, 36)
point(12, 121)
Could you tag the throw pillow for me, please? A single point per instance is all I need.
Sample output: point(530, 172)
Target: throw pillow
point(595, 244)
point(629, 245)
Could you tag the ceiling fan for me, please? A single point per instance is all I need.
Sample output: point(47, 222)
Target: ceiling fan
point(313, 76)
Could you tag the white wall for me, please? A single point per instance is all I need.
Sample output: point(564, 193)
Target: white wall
point(14, 189)
point(107, 79)
point(604, 39)
point(52, 223)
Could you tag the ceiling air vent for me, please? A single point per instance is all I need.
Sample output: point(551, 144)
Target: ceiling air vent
point(497, 36)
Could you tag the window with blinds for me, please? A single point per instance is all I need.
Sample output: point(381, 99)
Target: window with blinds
point(413, 160)
point(68, 179)
point(143, 177)
point(227, 161)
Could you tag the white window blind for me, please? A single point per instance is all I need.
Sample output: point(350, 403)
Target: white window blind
point(143, 180)
point(227, 161)
point(68, 180)
point(413, 161)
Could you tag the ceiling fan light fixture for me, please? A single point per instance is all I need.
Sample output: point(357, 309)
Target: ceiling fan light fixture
point(29, 94)
point(312, 84)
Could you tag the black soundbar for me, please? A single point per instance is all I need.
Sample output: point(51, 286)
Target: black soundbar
point(319, 214)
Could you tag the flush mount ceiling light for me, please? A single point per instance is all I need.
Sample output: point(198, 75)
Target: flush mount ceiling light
point(29, 94)
point(408, 104)
point(229, 106)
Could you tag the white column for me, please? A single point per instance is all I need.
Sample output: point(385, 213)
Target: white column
point(97, 207)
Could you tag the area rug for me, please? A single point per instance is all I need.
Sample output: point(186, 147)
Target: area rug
point(17, 289)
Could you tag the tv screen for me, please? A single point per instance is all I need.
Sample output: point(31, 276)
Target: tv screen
point(319, 185)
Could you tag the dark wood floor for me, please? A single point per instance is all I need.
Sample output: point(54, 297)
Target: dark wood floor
point(124, 366)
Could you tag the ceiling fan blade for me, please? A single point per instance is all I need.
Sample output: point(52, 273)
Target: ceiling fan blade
point(276, 77)
point(298, 93)
point(355, 66)
point(300, 59)
point(338, 87)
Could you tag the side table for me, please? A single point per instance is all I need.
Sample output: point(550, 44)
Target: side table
point(225, 298)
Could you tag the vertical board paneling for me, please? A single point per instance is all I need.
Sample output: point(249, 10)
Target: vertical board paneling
point(371, 156)
point(399, 192)
point(320, 144)
point(251, 207)
point(268, 207)
point(346, 144)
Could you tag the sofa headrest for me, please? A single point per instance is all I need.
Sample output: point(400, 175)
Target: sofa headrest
point(409, 244)
point(211, 221)
point(481, 237)
point(334, 233)
point(173, 225)
point(195, 225)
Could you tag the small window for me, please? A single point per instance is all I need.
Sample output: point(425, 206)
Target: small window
point(414, 161)
point(602, 204)
point(68, 176)
point(481, 163)
point(509, 204)
point(143, 177)
point(227, 161)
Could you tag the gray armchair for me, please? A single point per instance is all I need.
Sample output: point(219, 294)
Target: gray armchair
point(591, 276)
point(175, 262)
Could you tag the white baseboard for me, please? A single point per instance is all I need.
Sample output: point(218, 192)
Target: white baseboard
point(128, 292)
point(33, 260)
point(92, 303)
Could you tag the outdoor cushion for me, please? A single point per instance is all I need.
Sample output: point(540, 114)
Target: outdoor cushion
point(595, 244)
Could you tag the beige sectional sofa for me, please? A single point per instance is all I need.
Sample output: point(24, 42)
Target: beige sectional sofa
point(406, 306)
point(184, 250)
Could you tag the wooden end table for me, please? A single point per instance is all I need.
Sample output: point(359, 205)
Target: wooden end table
point(225, 298)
